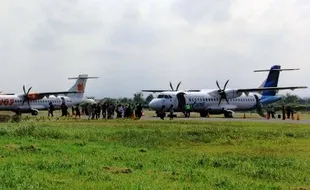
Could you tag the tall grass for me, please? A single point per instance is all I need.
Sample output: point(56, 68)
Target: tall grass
point(127, 154)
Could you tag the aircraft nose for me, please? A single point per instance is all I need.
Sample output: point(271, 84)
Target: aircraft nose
point(155, 104)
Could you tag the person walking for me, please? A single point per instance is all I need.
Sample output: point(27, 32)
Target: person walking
point(187, 110)
point(139, 111)
point(77, 111)
point(104, 110)
point(162, 112)
point(283, 113)
point(51, 110)
point(171, 110)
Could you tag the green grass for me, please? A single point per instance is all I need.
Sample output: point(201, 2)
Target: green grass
point(126, 154)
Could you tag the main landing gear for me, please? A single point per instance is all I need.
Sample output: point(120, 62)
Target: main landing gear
point(228, 115)
point(203, 114)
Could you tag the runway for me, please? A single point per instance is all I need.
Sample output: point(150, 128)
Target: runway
point(218, 119)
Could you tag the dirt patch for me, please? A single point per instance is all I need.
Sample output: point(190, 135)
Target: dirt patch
point(115, 170)
point(27, 148)
point(11, 146)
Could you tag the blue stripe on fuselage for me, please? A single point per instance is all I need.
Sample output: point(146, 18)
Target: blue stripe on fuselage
point(269, 99)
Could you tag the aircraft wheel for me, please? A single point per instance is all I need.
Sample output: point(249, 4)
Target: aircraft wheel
point(203, 114)
point(34, 113)
point(228, 115)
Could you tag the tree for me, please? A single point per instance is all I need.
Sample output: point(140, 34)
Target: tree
point(291, 99)
point(138, 98)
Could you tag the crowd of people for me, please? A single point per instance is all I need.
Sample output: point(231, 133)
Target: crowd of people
point(287, 112)
point(112, 110)
point(96, 111)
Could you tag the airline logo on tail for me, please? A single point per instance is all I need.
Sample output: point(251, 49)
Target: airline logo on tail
point(80, 87)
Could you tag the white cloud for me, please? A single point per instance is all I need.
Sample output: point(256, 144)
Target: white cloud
point(138, 44)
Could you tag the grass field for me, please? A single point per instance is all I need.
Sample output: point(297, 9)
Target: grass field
point(127, 154)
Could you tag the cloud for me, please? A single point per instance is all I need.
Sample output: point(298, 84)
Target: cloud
point(202, 11)
point(141, 44)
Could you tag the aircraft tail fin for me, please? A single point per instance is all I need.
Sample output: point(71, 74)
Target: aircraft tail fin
point(272, 80)
point(79, 86)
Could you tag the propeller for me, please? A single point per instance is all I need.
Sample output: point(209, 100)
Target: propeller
point(177, 88)
point(26, 97)
point(222, 92)
point(259, 107)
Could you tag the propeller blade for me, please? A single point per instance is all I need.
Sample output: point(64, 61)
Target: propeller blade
point(171, 86)
point(226, 84)
point(24, 89)
point(23, 102)
point(220, 102)
point(29, 90)
point(217, 83)
point(226, 100)
point(178, 86)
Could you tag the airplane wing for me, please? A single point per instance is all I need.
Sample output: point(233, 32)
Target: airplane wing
point(154, 90)
point(270, 88)
point(37, 96)
point(57, 93)
point(192, 90)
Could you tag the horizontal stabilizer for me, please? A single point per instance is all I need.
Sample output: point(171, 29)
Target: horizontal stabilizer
point(267, 70)
point(82, 77)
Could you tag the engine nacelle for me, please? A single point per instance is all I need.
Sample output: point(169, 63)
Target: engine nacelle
point(34, 96)
point(215, 110)
point(232, 94)
point(229, 94)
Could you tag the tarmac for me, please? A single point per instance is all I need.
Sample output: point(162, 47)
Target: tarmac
point(218, 119)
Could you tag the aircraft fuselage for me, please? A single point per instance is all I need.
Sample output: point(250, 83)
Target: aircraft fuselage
point(202, 102)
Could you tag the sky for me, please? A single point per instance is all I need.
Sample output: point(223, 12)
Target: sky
point(144, 44)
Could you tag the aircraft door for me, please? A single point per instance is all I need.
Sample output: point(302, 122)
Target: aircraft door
point(181, 101)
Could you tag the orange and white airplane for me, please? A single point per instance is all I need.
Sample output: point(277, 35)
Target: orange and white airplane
point(29, 102)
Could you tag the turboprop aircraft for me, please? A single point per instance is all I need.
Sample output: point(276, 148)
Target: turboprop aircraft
point(210, 101)
point(30, 102)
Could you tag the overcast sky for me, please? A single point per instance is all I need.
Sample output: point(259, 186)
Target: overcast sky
point(143, 44)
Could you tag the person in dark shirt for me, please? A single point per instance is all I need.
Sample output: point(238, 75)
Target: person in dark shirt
point(171, 110)
point(139, 111)
point(283, 113)
point(51, 110)
point(98, 110)
point(104, 110)
point(162, 112)
point(77, 111)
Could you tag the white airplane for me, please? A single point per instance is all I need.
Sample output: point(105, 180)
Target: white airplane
point(209, 101)
point(29, 102)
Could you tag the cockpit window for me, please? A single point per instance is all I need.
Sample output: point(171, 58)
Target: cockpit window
point(160, 96)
